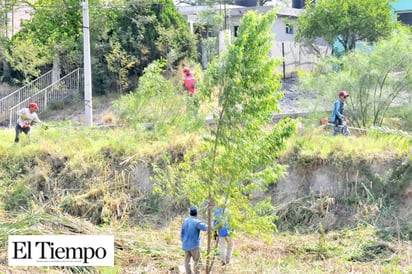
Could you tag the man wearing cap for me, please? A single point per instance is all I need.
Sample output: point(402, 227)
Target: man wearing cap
point(337, 115)
point(190, 236)
point(26, 116)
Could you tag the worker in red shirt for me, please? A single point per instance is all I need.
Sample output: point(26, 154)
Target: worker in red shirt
point(189, 82)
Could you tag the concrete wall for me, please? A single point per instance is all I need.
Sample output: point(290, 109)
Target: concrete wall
point(295, 55)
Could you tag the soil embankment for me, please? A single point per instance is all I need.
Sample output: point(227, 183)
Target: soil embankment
point(339, 192)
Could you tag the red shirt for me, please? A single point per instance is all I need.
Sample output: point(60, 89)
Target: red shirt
point(189, 83)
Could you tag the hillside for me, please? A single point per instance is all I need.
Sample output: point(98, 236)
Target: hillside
point(344, 205)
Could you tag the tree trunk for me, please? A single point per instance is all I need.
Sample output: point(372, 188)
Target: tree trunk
point(56, 69)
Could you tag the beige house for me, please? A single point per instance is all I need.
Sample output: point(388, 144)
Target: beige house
point(13, 19)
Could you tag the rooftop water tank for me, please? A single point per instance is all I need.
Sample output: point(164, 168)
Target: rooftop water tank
point(246, 3)
point(298, 4)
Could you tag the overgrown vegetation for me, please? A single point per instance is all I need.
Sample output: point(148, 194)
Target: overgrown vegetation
point(159, 104)
point(344, 205)
point(343, 181)
point(48, 188)
point(98, 179)
point(377, 79)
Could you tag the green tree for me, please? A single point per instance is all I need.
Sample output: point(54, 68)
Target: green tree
point(151, 30)
point(133, 35)
point(346, 21)
point(109, 60)
point(375, 77)
point(239, 154)
point(4, 66)
point(27, 58)
point(118, 61)
point(6, 28)
point(126, 36)
point(54, 31)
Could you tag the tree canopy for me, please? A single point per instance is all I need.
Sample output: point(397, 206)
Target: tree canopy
point(153, 29)
point(346, 21)
point(125, 36)
point(54, 29)
point(238, 156)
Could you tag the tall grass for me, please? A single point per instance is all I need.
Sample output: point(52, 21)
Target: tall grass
point(87, 172)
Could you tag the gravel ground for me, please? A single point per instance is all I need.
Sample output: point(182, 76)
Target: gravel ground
point(294, 100)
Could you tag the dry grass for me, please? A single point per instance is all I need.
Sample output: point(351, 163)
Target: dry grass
point(150, 250)
point(60, 168)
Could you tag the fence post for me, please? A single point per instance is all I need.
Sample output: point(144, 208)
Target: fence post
point(10, 117)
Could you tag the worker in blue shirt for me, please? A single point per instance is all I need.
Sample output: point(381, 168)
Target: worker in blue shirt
point(223, 235)
point(337, 115)
point(190, 236)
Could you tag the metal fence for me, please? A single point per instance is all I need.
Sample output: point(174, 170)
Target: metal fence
point(22, 93)
point(67, 86)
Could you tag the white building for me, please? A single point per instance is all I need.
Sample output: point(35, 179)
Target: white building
point(294, 55)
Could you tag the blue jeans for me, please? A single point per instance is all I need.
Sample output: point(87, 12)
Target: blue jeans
point(341, 128)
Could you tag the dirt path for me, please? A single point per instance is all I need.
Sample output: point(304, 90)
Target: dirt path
point(75, 112)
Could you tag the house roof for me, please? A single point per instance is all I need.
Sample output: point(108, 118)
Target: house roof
point(193, 10)
point(290, 12)
point(235, 10)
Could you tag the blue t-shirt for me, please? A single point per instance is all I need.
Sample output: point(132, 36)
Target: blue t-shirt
point(190, 234)
point(221, 219)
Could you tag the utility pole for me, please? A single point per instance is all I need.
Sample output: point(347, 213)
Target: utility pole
point(225, 18)
point(88, 106)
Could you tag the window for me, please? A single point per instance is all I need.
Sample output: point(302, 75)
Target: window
point(405, 18)
point(289, 29)
point(236, 29)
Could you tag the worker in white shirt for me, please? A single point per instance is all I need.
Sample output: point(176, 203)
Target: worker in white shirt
point(26, 116)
